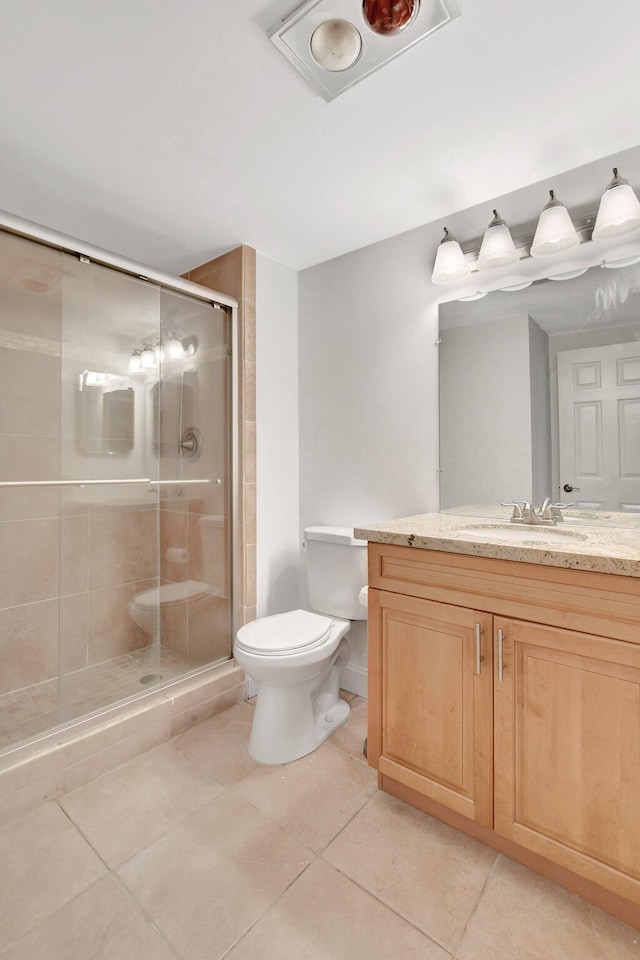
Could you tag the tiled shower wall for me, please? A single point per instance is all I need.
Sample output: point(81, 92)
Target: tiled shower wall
point(67, 556)
point(234, 274)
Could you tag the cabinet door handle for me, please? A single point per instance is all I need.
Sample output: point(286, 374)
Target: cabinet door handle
point(500, 656)
point(479, 657)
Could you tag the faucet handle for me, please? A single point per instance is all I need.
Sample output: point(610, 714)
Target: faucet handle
point(518, 507)
point(557, 508)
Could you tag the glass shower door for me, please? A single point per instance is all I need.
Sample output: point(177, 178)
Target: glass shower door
point(109, 527)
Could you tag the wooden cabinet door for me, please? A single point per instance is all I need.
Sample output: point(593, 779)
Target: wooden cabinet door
point(430, 711)
point(567, 751)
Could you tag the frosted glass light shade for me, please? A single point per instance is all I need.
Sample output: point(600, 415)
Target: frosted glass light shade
point(336, 45)
point(148, 358)
point(497, 247)
point(450, 263)
point(555, 231)
point(619, 210)
point(135, 362)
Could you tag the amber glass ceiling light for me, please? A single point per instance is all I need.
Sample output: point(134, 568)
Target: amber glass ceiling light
point(497, 247)
point(555, 230)
point(387, 17)
point(619, 210)
point(336, 45)
point(450, 262)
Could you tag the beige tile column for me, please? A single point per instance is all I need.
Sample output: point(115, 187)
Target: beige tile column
point(234, 273)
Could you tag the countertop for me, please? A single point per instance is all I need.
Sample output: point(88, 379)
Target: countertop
point(594, 544)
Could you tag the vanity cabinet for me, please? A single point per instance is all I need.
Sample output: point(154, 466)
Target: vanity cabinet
point(536, 747)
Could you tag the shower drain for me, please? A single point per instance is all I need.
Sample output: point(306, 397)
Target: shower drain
point(151, 678)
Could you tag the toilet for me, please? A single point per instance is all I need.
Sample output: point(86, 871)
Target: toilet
point(296, 658)
point(148, 608)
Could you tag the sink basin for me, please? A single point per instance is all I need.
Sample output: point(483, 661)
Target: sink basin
point(518, 533)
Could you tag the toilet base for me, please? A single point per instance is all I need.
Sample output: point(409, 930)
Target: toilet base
point(292, 721)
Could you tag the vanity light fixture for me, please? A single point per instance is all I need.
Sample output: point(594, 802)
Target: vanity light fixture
point(173, 348)
point(555, 230)
point(619, 210)
point(135, 362)
point(571, 275)
point(497, 247)
point(148, 357)
point(450, 262)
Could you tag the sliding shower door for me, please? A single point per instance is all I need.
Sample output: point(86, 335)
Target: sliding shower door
point(115, 575)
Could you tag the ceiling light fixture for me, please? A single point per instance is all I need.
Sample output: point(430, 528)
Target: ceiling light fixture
point(450, 262)
point(619, 210)
point(336, 43)
point(555, 230)
point(387, 17)
point(497, 247)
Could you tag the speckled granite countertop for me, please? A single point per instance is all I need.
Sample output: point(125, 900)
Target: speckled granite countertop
point(582, 545)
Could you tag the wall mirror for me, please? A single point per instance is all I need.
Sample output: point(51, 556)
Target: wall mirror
point(105, 412)
point(540, 395)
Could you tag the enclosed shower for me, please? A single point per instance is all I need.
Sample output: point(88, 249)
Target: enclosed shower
point(116, 442)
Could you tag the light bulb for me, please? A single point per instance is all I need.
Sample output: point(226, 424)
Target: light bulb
point(135, 362)
point(174, 349)
point(450, 262)
point(148, 357)
point(336, 45)
point(497, 247)
point(555, 230)
point(619, 210)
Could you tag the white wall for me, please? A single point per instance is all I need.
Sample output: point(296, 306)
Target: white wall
point(277, 437)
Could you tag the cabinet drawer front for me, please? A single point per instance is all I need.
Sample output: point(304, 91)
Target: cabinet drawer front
point(567, 751)
point(433, 712)
point(596, 603)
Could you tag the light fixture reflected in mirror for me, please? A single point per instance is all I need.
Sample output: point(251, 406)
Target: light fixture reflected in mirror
point(619, 210)
point(336, 45)
point(450, 262)
point(497, 247)
point(135, 362)
point(148, 357)
point(516, 286)
point(555, 230)
point(571, 275)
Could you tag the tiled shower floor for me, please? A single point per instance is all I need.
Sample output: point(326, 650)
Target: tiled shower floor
point(32, 710)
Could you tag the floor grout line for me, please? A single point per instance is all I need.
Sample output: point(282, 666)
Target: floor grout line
point(477, 904)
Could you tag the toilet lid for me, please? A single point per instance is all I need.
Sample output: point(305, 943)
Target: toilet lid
point(284, 632)
point(172, 593)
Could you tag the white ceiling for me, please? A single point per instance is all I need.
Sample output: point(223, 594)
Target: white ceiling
point(169, 132)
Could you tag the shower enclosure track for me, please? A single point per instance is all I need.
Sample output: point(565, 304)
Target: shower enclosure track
point(90, 483)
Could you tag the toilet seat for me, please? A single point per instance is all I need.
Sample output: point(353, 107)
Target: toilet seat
point(294, 632)
point(171, 593)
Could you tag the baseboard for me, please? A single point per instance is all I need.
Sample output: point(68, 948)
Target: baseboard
point(354, 679)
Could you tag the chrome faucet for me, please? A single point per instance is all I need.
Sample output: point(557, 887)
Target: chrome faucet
point(548, 514)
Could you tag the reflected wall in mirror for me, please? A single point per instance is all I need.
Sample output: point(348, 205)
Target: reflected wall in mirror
point(540, 394)
point(106, 414)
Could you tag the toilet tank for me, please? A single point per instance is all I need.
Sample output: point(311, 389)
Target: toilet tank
point(336, 571)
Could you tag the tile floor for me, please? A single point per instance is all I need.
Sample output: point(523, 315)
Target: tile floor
point(36, 709)
point(193, 852)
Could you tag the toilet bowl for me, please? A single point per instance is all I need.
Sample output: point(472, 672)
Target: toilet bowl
point(146, 608)
point(296, 659)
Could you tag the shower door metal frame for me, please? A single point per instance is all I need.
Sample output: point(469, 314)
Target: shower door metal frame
point(87, 252)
